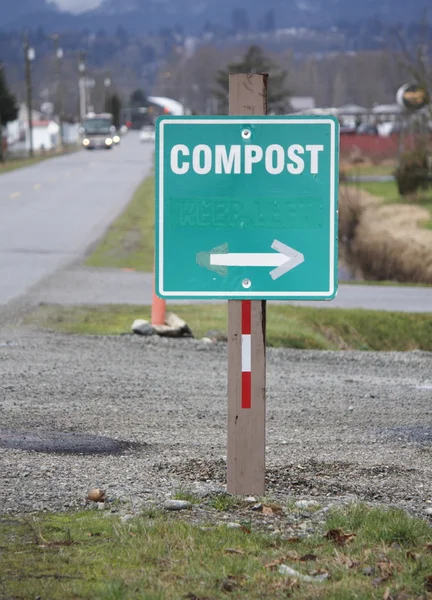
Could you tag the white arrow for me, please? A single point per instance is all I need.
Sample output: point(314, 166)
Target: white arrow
point(284, 259)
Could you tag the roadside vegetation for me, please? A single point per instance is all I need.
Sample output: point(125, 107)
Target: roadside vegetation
point(384, 236)
point(129, 242)
point(357, 552)
point(11, 164)
point(287, 326)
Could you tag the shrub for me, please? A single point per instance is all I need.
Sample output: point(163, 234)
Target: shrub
point(412, 172)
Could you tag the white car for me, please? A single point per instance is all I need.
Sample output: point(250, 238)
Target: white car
point(147, 134)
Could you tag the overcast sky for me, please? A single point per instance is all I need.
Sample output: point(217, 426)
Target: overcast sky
point(77, 5)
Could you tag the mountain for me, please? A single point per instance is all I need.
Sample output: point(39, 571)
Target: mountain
point(192, 15)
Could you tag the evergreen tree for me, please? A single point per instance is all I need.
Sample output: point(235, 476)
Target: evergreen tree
point(8, 107)
point(138, 99)
point(256, 61)
point(113, 106)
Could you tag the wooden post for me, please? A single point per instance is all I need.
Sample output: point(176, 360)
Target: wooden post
point(246, 343)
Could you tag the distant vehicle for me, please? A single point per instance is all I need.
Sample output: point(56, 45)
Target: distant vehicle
point(347, 129)
point(98, 131)
point(147, 133)
point(367, 129)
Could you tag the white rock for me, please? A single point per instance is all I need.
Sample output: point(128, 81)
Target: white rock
point(126, 518)
point(206, 340)
point(177, 505)
point(428, 511)
point(286, 570)
point(142, 327)
point(233, 525)
point(101, 505)
point(307, 504)
point(251, 499)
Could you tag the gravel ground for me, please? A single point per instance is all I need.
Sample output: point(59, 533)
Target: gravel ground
point(340, 425)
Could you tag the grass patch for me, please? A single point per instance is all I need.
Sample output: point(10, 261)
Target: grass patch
point(368, 170)
point(375, 525)
point(389, 192)
point(129, 242)
point(287, 326)
point(224, 502)
point(12, 164)
point(87, 555)
point(187, 496)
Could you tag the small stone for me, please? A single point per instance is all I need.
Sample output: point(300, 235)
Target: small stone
point(142, 327)
point(96, 495)
point(275, 532)
point(306, 504)
point(350, 408)
point(126, 518)
point(217, 336)
point(177, 505)
point(286, 570)
point(206, 340)
point(233, 525)
point(428, 511)
point(251, 499)
point(101, 505)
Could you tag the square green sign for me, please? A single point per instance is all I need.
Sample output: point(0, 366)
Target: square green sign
point(246, 207)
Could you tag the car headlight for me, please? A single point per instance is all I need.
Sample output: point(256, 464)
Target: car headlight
point(108, 141)
point(86, 142)
point(116, 139)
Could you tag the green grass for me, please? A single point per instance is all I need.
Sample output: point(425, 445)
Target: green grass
point(389, 192)
point(392, 526)
point(187, 496)
point(370, 170)
point(129, 242)
point(224, 502)
point(88, 555)
point(12, 164)
point(287, 326)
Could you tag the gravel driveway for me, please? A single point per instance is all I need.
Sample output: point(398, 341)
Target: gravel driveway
point(339, 423)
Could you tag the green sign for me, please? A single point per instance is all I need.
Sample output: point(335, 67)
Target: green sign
point(246, 207)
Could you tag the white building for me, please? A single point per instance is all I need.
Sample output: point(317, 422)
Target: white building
point(46, 136)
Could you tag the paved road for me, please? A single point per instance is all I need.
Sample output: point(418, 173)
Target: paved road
point(370, 178)
point(50, 213)
point(83, 285)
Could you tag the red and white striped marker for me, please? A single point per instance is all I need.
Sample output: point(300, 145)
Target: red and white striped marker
point(246, 400)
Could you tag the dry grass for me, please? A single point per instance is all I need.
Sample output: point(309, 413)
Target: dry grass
point(385, 241)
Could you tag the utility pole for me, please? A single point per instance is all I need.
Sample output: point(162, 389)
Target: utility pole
point(107, 85)
point(29, 55)
point(82, 68)
point(60, 97)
